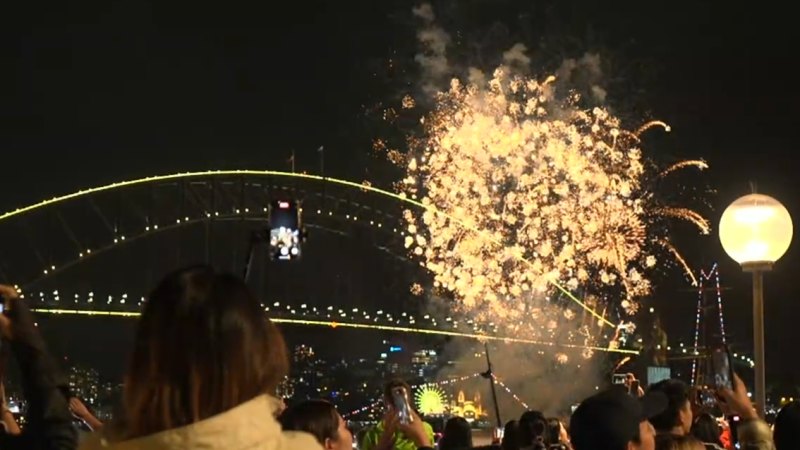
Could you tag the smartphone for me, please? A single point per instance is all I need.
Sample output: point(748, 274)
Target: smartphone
point(2, 304)
point(400, 401)
point(618, 378)
point(634, 388)
point(284, 230)
point(723, 370)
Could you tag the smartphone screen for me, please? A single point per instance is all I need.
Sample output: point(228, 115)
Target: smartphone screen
point(721, 364)
point(2, 304)
point(618, 378)
point(706, 398)
point(400, 400)
point(284, 229)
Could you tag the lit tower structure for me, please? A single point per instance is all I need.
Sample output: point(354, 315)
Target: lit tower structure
point(709, 307)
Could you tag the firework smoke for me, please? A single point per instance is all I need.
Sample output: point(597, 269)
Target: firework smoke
point(433, 59)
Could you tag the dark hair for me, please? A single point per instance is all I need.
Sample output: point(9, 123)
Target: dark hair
point(316, 417)
point(532, 429)
point(706, 429)
point(457, 435)
point(510, 439)
point(203, 345)
point(394, 383)
point(787, 427)
point(677, 393)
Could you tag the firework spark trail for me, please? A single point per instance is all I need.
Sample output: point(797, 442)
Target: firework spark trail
point(687, 215)
point(559, 195)
point(699, 163)
point(651, 124)
point(679, 258)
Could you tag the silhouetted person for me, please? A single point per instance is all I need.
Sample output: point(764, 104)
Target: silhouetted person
point(457, 435)
point(787, 427)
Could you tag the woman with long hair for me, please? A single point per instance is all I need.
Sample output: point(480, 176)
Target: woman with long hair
point(205, 361)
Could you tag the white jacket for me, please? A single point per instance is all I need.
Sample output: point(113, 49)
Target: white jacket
point(249, 426)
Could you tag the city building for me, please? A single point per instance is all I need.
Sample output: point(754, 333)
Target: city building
point(424, 363)
point(84, 383)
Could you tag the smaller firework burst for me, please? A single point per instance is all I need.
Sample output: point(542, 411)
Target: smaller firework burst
point(408, 102)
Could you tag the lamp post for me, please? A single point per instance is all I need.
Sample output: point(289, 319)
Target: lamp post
point(755, 231)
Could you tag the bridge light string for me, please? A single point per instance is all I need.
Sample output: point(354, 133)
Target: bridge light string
point(507, 389)
point(360, 186)
point(277, 309)
point(344, 324)
point(700, 286)
point(715, 272)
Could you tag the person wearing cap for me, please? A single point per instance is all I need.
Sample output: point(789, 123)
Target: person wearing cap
point(615, 420)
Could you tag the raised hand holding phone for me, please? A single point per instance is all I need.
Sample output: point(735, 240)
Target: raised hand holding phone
point(737, 399)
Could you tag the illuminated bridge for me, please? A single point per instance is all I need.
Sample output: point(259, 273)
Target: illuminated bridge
point(123, 237)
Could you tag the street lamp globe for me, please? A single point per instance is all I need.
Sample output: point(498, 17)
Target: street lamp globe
point(755, 230)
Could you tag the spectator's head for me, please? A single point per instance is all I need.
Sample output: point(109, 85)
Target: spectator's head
point(706, 429)
point(677, 418)
point(320, 419)
point(532, 429)
point(457, 435)
point(202, 346)
point(676, 442)
point(510, 440)
point(614, 420)
point(787, 427)
point(389, 387)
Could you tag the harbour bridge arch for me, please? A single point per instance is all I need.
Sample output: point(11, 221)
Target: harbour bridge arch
point(123, 236)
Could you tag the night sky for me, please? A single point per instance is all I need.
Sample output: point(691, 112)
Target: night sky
point(94, 93)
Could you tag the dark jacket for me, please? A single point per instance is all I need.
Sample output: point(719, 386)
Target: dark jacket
point(48, 420)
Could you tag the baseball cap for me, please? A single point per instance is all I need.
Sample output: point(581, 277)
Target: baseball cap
point(610, 419)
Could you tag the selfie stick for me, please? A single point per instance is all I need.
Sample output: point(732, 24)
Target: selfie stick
point(256, 238)
point(490, 376)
